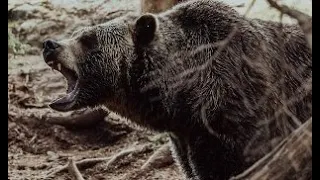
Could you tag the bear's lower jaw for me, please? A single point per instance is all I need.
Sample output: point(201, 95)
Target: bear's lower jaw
point(69, 101)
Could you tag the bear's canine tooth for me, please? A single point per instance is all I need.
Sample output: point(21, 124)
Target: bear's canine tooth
point(59, 66)
point(50, 63)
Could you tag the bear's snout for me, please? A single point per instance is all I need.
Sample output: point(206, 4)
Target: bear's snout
point(50, 45)
point(50, 54)
point(50, 50)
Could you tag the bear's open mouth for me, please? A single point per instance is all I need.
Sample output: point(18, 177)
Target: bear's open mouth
point(68, 101)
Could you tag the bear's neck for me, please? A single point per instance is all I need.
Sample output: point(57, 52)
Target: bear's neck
point(138, 98)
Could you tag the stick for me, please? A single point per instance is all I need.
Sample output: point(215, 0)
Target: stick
point(161, 158)
point(85, 163)
point(72, 167)
point(304, 20)
point(291, 159)
point(79, 119)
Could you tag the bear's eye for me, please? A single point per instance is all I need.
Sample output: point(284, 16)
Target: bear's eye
point(88, 41)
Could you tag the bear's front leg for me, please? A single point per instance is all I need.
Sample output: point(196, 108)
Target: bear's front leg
point(212, 158)
point(180, 153)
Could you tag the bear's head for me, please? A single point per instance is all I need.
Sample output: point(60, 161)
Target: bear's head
point(93, 59)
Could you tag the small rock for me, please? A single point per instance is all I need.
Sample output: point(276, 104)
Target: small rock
point(29, 25)
point(52, 156)
point(11, 125)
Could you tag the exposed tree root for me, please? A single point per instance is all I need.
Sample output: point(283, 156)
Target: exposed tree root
point(162, 157)
point(80, 119)
point(72, 167)
point(85, 163)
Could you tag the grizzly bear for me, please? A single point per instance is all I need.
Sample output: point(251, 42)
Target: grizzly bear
point(224, 87)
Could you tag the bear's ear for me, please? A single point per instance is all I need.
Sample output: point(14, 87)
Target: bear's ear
point(89, 40)
point(145, 29)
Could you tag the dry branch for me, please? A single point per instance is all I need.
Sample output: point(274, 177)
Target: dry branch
point(291, 159)
point(304, 20)
point(85, 163)
point(126, 152)
point(156, 6)
point(72, 167)
point(161, 158)
point(79, 119)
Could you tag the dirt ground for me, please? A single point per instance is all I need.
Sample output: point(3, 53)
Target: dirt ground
point(36, 146)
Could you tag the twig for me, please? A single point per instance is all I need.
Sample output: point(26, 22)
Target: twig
point(161, 158)
point(126, 152)
point(33, 139)
point(304, 20)
point(249, 8)
point(291, 158)
point(72, 167)
point(110, 160)
point(81, 164)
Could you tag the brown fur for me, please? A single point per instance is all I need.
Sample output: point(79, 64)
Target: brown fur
point(224, 108)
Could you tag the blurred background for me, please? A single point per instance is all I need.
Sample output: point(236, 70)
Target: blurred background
point(39, 139)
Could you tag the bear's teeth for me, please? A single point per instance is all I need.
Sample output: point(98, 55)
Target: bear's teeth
point(50, 63)
point(59, 66)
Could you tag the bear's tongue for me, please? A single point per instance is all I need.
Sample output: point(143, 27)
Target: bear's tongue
point(67, 102)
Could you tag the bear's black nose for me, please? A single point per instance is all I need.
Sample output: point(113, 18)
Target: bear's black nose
point(50, 44)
